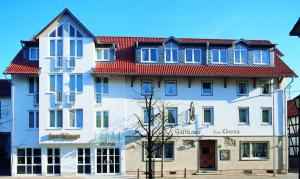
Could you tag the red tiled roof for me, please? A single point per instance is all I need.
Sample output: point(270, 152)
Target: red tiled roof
point(291, 108)
point(125, 62)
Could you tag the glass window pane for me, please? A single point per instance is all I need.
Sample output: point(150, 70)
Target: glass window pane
point(265, 115)
point(105, 119)
point(244, 57)
point(79, 118)
point(242, 88)
point(243, 115)
point(169, 150)
point(98, 119)
point(60, 31)
point(79, 48)
point(153, 55)
point(72, 118)
point(106, 54)
point(207, 115)
point(72, 31)
point(52, 47)
point(52, 83)
point(215, 55)
point(72, 83)
point(59, 83)
point(147, 87)
point(31, 119)
point(223, 56)
point(59, 118)
point(245, 150)
point(37, 120)
point(53, 33)
point(266, 57)
point(79, 83)
point(105, 85)
point(197, 55)
point(98, 85)
point(99, 54)
point(171, 88)
point(168, 55)
point(175, 55)
point(145, 54)
point(31, 85)
point(189, 55)
point(52, 118)
point(206, 88)
point(237, 56)
point(79, 34)
point(172, 115)
point(260, 150)
point(256, 56)
point(72, 48)
point(59, 48)
point(146, 116)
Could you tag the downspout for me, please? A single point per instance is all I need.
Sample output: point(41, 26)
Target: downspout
point(286, 123)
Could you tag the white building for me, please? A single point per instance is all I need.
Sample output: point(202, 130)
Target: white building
point(73, 97)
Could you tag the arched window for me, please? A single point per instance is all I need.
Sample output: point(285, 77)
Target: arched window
point(240, 54)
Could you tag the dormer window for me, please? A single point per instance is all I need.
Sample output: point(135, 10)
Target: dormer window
point(219, 56)
point(33, 53)
point(192, 55)
point(149, 55)
point(171, 53)
point(261, 57)
point(240, 55)
point(103, 54)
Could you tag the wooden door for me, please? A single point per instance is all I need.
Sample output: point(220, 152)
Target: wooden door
point(207, 154)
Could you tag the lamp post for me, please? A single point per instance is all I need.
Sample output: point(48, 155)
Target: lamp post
point(297, 104)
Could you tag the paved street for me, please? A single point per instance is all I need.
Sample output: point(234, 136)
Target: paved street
point(289, 176)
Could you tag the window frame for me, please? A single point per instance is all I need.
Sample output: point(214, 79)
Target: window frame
point(103, 59)
point(35, 85)
point(247, 115)
point(84, 164)
point(219, 54)
point(171, 94)
point(53, 157)
point(159, 159)
point(149, 56)
point(261, 57)
point(171, 48)
point(176, 115)
point(211, 108)
point(247, 88)
point(55, 119)
point(240, 48)
point(261, 88)
point(270, 122)
point(250, 150)
point(32, 158)
point(76, 82)
point(102, 119)
point(36, 49)
point(193, 55)
point(75, 118)
point(102, 92)
point(35, 119)
point(211, 85)
point(142, 86)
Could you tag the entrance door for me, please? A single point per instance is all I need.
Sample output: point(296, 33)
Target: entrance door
point(5, 151)
point(108, 160)
point(207, 154)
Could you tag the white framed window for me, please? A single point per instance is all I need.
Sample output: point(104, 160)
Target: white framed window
point(101, 88)
point(33, 85)
point(75, 118)
point(76, 43)
point(108, 154)
point(33, 53)
point(242, 88)
point(157, 154)
point(56, 42)
point(33, 119)
point(254, 151)
point(243, 115)
point(266, 115)
point(146, 116)
point(149, 55)
point(103, 54)
point(75, 83)
point(192, 55)
point(55, 118)
point(102, 119)
point(53, 161)
point(240, 55)
point(56, 86)
point(261, 57)
point(206, 88)
point(172, 115)
point(265, 87)
point(208, 115)
point(84, 161)
point(170, 88)
point(29, 161)
point(171, 53)
point(218, 56)
point(147, 87)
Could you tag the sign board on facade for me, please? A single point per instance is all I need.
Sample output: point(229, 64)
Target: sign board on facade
point(224, 154)
point(229, 141)
point(63, 136)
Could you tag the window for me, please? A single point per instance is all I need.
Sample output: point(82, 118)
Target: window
point(101, 87)
point(56, 47)
point(53, 161)
point(266, 115)
point(84, 161)
point(171, 88)
point(146, 116)
point(242, 88)
point(192, 55)
point(172, 115)
point(219, 56)
point(171, 53)
point(33, 117)
point(75, 83)
point(76, 118)
point(29, 161)
point(103, 54)
point(73, 32)
point(261, 57)
point(207, 89)
point(265, 88)
point(76, 45)
point(33, 84)
point(56, 117)
point(149, 55)
point(208, 115)
point(0, 109)
point(33, 53)
point(108, 154)
point(147, 87)
point(102, 119)
point(244, 115)
point(240, 55)
point(56, 86)
point(254, 150)
point(157, 154)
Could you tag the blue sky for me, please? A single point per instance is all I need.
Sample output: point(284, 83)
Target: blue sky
point(252, 19)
